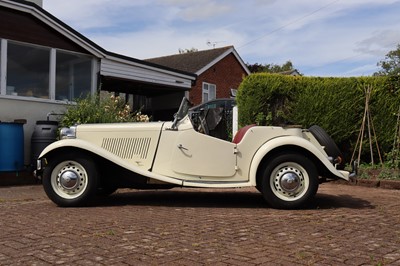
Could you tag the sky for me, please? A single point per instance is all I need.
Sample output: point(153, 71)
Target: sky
point(339, 38)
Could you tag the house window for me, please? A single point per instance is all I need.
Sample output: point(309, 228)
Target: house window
point(209, 91)
point(233, 93)
point(73, 75)
point(28, 69)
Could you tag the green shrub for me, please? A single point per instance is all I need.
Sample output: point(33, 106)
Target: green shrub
point(96, 109)
point(336, 104)
point(264, 98)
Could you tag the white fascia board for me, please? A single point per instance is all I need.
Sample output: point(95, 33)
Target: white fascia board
point(148, 67)
point(235, 53)
point(219, 58)
point(53, 24)
point(144, 73)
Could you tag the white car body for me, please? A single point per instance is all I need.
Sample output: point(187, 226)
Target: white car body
point(174, 153)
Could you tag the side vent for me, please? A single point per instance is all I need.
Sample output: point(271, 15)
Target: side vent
point(127, 148)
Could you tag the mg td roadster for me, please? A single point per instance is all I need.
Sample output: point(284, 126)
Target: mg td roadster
point(286, 164)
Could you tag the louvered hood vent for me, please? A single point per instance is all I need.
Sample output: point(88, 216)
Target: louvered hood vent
point(127, 148)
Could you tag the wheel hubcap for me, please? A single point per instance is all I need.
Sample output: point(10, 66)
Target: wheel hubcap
point(69, 179)
point(289, 181)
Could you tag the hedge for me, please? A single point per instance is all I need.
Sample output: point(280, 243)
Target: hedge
point(336, 104)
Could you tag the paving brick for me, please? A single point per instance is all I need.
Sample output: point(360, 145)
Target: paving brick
point(345, 225)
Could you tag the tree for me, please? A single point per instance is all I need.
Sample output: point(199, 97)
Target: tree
point(185, 51)
point(391, 64)
point(270, 68)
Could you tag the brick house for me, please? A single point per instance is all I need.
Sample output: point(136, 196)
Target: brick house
point(219, 72)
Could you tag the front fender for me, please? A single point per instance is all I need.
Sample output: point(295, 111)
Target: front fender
point(300, 143)
point(75, 143)
point(84, 145)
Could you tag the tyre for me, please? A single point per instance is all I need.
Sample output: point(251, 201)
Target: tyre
point(289, 181)
point(325, 140)
point(70, 180)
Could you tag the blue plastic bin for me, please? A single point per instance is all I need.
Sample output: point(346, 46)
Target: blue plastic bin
point(11, 147)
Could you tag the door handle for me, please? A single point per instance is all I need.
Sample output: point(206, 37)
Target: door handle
point(180, 146)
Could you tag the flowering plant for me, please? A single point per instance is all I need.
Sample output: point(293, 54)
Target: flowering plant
point(104, 109)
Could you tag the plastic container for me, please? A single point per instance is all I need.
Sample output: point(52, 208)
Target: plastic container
point(11, 147)
point(45, 133)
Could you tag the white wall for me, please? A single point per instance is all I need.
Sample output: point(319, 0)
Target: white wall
point(30, 109)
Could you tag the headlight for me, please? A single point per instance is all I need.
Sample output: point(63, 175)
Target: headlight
point(68, 132)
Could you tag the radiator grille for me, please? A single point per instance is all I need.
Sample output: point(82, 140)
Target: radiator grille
point(127, 148)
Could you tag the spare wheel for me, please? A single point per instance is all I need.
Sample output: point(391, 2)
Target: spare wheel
point(330, 146)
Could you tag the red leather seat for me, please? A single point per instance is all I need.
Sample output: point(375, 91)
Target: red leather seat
point(240, 134)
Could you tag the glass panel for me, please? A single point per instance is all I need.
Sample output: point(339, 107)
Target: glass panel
point(73, 75)
point(28, 71)
point(212, 92)
point(205, 92)
point(205, 97)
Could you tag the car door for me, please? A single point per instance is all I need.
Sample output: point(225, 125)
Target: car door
point(200, 155)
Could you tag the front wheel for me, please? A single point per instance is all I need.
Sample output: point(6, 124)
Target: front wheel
point(70, 180)
point(289, 181)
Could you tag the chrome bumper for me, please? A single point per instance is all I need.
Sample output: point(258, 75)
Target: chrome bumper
point(40, 164)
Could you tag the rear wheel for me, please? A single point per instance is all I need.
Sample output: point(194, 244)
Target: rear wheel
point(289, 181)
point(70, 179)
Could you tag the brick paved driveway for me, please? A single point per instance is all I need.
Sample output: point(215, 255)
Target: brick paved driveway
point(346, 225)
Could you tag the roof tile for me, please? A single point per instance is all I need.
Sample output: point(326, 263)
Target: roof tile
point(189, 62)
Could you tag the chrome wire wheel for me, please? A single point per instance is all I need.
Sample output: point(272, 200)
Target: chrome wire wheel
point(289, 181)
point(69, 179)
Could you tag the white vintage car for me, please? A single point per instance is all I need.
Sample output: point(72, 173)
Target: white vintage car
point(286, 164)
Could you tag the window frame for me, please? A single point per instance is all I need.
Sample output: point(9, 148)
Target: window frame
point(83, 58)
point(52, 71)
point(206, 89)
point(3, 66)
point(37, 92)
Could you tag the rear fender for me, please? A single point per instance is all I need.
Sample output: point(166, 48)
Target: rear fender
point(300, 144)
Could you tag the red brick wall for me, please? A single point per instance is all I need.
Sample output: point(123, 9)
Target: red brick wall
point(227, 74)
